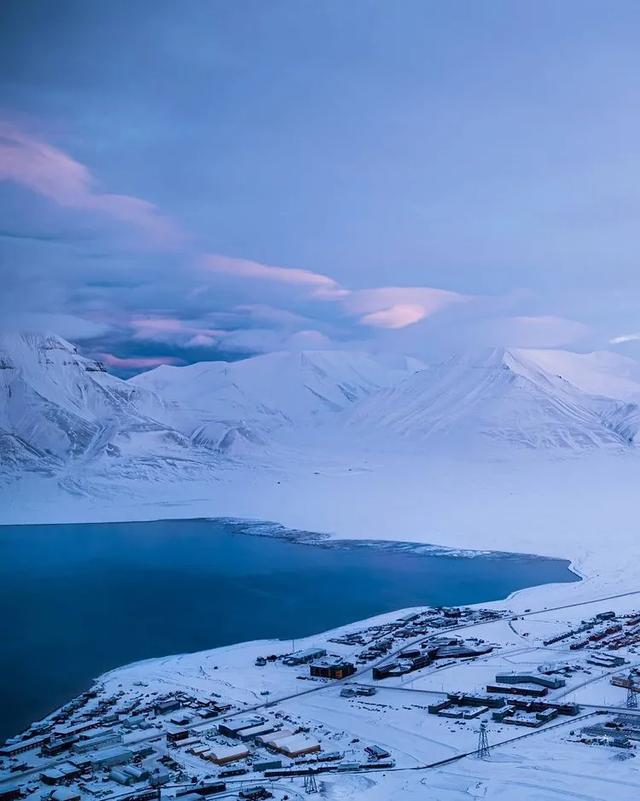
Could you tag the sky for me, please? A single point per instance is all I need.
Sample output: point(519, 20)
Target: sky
point(215, 179)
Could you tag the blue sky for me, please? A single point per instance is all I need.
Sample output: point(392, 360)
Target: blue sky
point(212, 179)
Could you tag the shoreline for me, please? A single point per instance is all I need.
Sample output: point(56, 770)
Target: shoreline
point(268, 530)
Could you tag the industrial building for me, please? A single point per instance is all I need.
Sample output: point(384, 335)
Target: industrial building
point(108, 757)
point(60, 773)
point(520, 689)
point(232, 728)
point(304, 657)
point(270, 740)
point(64, 794)
point(530, 678)
point(256, 731)
point(223, 754)
point(465, 707)
point(22, 746)
point(533, 713)
point(296, 745)
point(332, 667)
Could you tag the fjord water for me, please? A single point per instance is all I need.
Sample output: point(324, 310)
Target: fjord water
point(77, 600)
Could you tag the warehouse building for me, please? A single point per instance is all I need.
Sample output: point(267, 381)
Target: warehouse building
point(108, 757)
point(22, 746)
point(223, 754)
point(297, 745)
point(269, 740)
point(304, 657)
point(60, 773)
point(332, 667)
point(64, 794)
point(233, 727)
point(256, 731)
point(530, 678)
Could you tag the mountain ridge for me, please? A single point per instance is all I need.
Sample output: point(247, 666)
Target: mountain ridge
point(63, 414)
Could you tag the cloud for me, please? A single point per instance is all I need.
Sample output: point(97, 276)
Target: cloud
point(318, 285)
point(265, 340)
point(65, 325)
point(136, 362)
point(539, 331)
point(178, 306)
point(190, 333)
point(398, 307)
point(625, 338)
point(51, 173)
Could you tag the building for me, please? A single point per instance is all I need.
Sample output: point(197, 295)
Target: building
point(74, 730)
point(10, 793)
point(232, 728)
point(167, 705)
point(223, 754)
point(332, 667)
point(94, 743)
point(533, 713)
point(605, 660)
point(176, 733)
point(108, 757)
point(159, 775)
point(304, 657)
point(128, 774)
point(269, 740)
point(375, 752)
point(58, 745)
point(267, 764)
point(65, 794)
point(256, 731)
point(60, 773)
point(521, 689)
point(296, 745)
point(22, 746)
point(530, 678)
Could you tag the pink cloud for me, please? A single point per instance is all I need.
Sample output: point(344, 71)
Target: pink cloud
point(136, 362)
point(399, 307)
point(53, 174)
point(150, 328)
point(320, 286)
point(171, 329)
point(398, 316)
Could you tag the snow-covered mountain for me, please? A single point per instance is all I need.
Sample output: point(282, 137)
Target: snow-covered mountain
point(63, 415)
point(59, 409)
point(506, 397)
point(277, 388)
point(235, 407)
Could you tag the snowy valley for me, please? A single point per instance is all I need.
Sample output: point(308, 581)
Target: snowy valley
point(520, 450)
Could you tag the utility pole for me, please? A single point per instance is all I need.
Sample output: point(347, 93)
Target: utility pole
point(632, 695)
point(483, 742)
point(310, 784)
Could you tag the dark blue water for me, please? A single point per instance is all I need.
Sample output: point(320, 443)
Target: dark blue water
point(76, 600)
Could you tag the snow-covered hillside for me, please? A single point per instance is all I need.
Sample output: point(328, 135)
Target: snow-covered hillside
point(61, 412)
point(511, 397)
point(228, 438)
point(278, 388)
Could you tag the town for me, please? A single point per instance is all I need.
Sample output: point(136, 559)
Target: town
point(418, 691)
